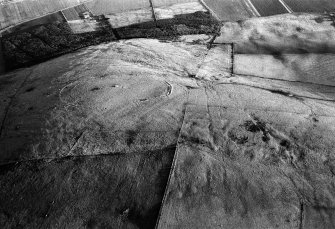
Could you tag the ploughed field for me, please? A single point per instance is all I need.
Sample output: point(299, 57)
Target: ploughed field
point(311, 5)
point(230, 10)
point(269, 7)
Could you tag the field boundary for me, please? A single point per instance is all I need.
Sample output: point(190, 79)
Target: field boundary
point(204, 4)
point(153, 12)
point(173, 166)
point(13, 24)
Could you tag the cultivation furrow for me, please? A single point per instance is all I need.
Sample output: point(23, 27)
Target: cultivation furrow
point(269, 7)
point(311, 5)
point(230, 10)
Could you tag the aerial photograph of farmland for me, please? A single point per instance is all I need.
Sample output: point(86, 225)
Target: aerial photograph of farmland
point(167, 114)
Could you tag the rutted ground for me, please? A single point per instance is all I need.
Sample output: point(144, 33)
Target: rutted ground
point(252, 131)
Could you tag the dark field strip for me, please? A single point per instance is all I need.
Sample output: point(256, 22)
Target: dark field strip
point(269, 7)
point(311, 5)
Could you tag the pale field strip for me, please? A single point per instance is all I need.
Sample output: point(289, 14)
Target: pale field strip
point(170, 11)
point(79, 26)
point(252, 8)
point(286, 6)
point(123, 19)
